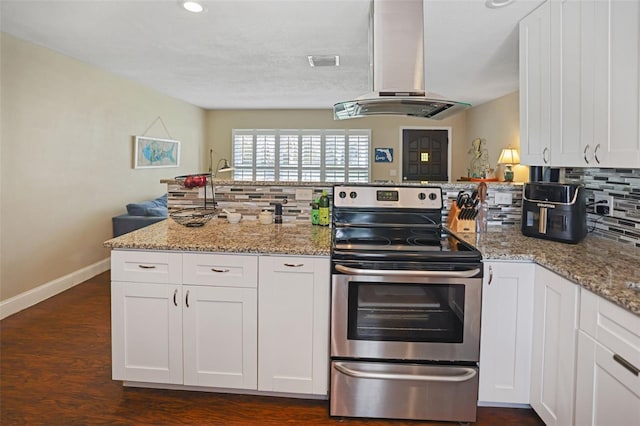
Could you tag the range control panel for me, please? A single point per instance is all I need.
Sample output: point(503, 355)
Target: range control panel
point(406, 197)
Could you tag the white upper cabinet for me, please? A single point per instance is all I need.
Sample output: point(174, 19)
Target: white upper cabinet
point(535, 91)
point(617, 86)
point(591, 90)
point(572, 82)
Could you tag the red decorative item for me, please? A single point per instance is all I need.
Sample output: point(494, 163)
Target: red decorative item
point(193, 181)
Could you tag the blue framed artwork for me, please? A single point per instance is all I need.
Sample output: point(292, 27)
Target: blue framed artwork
point(383, 155)
point(154, 152)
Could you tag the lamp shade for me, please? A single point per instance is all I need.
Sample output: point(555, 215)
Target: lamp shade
point(509, 156)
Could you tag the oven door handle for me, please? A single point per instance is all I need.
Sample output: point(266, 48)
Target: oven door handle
point(439, 274)
point(468, 374)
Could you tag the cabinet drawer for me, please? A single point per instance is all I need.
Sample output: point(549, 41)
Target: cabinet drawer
point(220, 270)
point(612, 327)
point(146, 266)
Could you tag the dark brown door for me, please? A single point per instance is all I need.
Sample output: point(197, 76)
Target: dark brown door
point(425, 155)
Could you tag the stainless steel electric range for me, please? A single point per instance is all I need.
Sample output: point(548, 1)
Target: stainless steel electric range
point(405, 307)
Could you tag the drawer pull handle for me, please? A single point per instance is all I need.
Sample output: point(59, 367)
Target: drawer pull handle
point(294, 265)
point(220, 270)
point(186, 299)
point(147, 266)
point(175, 295)
point(626, 364)
point(595, 154)
point(490, 275)
point(544, 155)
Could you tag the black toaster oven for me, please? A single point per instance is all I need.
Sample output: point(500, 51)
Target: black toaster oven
point(554, 211)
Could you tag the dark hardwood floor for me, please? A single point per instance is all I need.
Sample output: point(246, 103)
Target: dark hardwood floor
point(56, 370)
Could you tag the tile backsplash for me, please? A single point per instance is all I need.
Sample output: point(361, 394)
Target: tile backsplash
point(249, 198)
point(624, 186)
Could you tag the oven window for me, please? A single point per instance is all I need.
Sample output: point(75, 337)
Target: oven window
point(406, 312)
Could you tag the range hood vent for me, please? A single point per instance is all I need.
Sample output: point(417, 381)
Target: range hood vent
point(397, 40)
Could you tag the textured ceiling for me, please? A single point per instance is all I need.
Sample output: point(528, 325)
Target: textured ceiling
point(252, 54)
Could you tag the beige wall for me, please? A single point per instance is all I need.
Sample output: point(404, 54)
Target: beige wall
point(66, 157)
point(497, 123)
point(385, 132)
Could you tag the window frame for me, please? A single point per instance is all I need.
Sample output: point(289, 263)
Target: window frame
point(247, 169)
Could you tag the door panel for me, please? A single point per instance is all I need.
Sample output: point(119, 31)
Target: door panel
point(425, 155)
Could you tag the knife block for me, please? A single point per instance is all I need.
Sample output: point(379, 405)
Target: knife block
point(455, 224)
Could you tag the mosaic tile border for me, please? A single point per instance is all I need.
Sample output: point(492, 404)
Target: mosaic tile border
point(624, 186)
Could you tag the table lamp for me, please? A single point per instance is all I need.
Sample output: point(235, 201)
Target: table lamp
point(508, 157)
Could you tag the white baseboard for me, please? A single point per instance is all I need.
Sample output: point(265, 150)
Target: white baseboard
point(47, 290)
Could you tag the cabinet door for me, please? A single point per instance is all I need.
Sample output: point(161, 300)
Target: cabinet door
point(535, 89)
point(554, 346)
point(146, 332)
point(293, 352)
point(220, 336)
point(505, 340)
point(607, 393)
point(572, 82)
point(617, 83)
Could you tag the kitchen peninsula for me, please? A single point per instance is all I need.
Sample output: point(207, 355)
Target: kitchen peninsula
point(552, 316)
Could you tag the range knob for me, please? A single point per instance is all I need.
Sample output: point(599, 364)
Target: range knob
point(422, 196)
point(433, 196)
point(342, 194)
point(353, 194)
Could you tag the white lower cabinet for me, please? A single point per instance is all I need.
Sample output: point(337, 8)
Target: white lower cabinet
point(220, 337)
point(293, 324)
point(146, 337)
point(505, 343)
point(555, 324)
point(608, 365)
point(178, 333)
point(215, 320)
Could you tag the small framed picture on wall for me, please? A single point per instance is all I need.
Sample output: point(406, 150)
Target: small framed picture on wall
point(154, 152)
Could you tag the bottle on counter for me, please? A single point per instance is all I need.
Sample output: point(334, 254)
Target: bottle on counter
point(315, 212)
point(277, 218)
point(323, 209)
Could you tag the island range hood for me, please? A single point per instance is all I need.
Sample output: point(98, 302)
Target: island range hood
point(397, 33)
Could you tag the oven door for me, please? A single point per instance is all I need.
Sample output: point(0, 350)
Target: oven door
point(405, 316)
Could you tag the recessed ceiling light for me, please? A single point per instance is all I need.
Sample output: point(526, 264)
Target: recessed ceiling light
point(192, 6)
point(495, 4)
point(324, 60)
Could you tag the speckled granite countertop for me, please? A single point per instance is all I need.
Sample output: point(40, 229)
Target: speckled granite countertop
point(602, 266)
point(248, 236)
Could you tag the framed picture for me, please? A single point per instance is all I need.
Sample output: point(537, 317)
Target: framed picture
point(383, 155)
point(154, 152)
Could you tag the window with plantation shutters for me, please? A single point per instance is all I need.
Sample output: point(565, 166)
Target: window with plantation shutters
point(301, 155)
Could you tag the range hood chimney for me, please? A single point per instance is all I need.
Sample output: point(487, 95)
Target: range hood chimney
point(397, 30)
